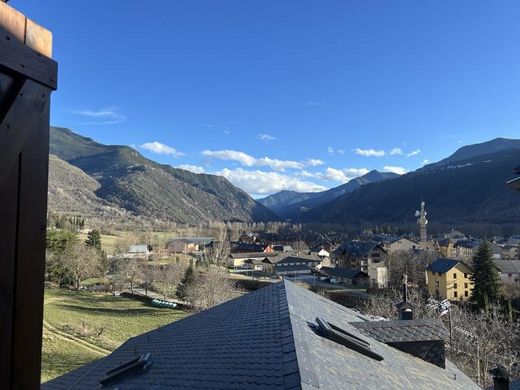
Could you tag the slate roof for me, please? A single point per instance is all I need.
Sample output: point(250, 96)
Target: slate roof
point(298, 259)
point(399, 331)
point(343, 272)
point(443, 265)
point(252, 255)
point(264, 340)
point(355, 248)
point(292, 268)
point(508, 266)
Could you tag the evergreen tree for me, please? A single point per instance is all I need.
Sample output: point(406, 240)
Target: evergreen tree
point(94, 240)
point(487, 286)
point(187, 281)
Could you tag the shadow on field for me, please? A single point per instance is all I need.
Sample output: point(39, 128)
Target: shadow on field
point(112, 311)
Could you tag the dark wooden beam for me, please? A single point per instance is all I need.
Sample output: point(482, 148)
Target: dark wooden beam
point(21, 59)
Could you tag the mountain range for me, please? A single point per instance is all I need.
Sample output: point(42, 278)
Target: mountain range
point(468, 187)
point(86, 176)
point(117, 182)
point(290, 204)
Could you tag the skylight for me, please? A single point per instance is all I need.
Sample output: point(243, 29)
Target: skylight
point(133, 366)
point(346, 339)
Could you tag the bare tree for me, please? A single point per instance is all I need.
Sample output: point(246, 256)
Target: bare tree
point(211, 287)
point(218, 253)
point(129, 272)
point(169, 278)
point(148, 273)
point(81, 262)
point(479, 340)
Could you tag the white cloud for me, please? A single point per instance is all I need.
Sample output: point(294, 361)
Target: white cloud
point(398, 170)
point(333, 151)
point(264, 183)
point(192, 168)
point(314, 162)
point(396, 152)
point(344, 175)
point(266, 137)
point(231, 155)
point(159, 148)
point(414, 153)
point(104, 116)
point(250, 161)
point(370, 152)
point(424, 162)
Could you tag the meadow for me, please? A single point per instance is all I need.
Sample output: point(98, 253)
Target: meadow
point(80, 327)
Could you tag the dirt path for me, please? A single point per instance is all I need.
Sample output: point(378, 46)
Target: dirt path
point(66, 336)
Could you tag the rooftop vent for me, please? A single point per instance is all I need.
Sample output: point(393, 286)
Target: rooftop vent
point(133, 366)
point(346, 339)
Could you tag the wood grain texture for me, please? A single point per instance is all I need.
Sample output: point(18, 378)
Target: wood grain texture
point(38, 38)
point(12, 21)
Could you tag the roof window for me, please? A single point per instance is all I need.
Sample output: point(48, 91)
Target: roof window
point(346, 339)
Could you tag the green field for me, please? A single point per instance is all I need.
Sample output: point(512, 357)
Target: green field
point(80, 327)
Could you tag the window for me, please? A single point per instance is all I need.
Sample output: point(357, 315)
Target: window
point(455, 294)
point(465, 285)
point(466, 275)
point(466, 293)
point(346, 339)
point(436, 283)
point(454, 276)
point(454, 285)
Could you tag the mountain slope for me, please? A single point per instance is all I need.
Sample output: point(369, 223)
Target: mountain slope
point(146, 188)
point(281, 200)
point(72, 191)
point(290, 204)
point(458, 191)
point(489, 147)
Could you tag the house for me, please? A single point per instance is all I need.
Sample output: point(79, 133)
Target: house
point(349, 277)
point(247, 238)
point(378, 274)
point(242, 247)
point(509, 270)
point(282, 248)
point(449, 279)
point(359, 254)
point(465, 250)
point(238, 260)
point(188, 244)
point(400, 244)
point(141, 251)
point(510, 252)
point(446, 247)
point(182, 246)
point(291, 265)
point(279, 337)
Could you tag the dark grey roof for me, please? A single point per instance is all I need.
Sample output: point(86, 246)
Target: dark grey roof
point(298, 259)
point(265, 340)
point(443, 265)
point(355, 248)
point(508, 266)
point(398, 331)
point(292, 268)
point(252, 255)
point(343, 272)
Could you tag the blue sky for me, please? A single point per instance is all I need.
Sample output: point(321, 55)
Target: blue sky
point(300, 95)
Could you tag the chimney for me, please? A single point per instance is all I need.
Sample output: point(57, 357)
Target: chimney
point(405, 308)
point(500, 378)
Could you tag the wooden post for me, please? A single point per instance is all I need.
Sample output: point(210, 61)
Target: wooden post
point(27, 77)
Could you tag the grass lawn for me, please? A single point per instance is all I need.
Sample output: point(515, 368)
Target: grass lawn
point(80, 327)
